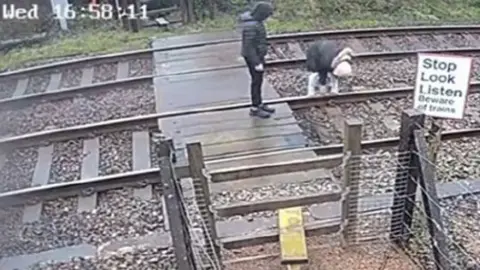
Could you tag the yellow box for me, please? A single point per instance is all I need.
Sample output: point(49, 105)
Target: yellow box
point(293, 244)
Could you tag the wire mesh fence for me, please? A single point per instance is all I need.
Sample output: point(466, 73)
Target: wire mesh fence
point(191, 232)
point(437, 234)
point(390, 208)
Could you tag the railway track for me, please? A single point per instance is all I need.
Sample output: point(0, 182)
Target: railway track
point(384, 44)
point(62, 96)
point(66, 165)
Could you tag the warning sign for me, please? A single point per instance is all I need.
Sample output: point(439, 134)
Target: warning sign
point(442, 84)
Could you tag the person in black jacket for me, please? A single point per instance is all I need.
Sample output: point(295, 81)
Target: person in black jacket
point(327, 60)
point(254, 49)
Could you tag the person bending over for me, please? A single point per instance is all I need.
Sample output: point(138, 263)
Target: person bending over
point(327, 61)
point(254, 49)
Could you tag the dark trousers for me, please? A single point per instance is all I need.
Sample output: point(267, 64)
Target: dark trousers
point(323, 76)
point(255, 84)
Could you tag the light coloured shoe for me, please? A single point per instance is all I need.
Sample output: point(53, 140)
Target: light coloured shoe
point(323, 89)
point(333, 84)
point(311, 92)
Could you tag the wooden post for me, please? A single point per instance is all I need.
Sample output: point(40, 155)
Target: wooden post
point(63, 5)
point(115, 4)
point(191, 11)
point(212, 8)
point(184, 10)
point(133, 22)
point(435, 139)
point(426, 177)
point(124, 19)
point(351, 146)
point(178, 229)
point(202, 196)
point(405, 188)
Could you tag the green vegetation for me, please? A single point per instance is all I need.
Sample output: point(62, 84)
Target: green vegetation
point(290, 16)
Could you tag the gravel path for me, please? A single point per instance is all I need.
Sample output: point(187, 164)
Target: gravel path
point(116, 103)
point(18, 170)
point(66, 161)
point(376, 173)
point(37, 84)
point(115, 153)
point(456, 160)
point(309, 187)
point(104, 72)
point(119, 215)
point(141, 67)
point(141, 259)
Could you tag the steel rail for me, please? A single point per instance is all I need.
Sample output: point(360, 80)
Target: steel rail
point(294, 62)
point(104, 59)
point(150, 120)
point(138, 178)
point(278, 38)
point(26, 100)
point(375, 32)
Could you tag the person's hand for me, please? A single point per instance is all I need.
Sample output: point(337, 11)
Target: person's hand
point(259, 67)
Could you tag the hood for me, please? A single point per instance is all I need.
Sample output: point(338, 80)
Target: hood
point(261, 11)
point(246, 17)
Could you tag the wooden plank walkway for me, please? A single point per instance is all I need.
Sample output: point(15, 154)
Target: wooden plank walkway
point(201, 77)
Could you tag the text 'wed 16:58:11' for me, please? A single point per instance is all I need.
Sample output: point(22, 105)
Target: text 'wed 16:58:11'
point(99, 12)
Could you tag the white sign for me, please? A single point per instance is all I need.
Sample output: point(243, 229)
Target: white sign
point(442, 84)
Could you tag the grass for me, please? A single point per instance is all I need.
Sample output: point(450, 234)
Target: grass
point(290, 16)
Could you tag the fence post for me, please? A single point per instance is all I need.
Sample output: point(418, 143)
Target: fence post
point(124, 19)
point(435, 139)
point(405, 186)
point(202, 196)
point(191, 11)
point(63, 5)
point(212, 6)
point(133, 22)
point(187, 8)
point(352, 148)
point(426, 177)
point(179, 228)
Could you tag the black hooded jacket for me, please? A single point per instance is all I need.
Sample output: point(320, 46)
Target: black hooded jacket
point(321, 54)
point(254, 36)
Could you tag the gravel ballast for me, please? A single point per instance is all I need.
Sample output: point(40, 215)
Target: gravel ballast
point(374, 44)
point(118, 215)
point(66, 161)
point(114, 104)
point(128, 258)
point(115, 153)
point(17, 172)
point(37, 84)
point(104, 72)
point(7, 88)
point(71, 77)
point(140, 67)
